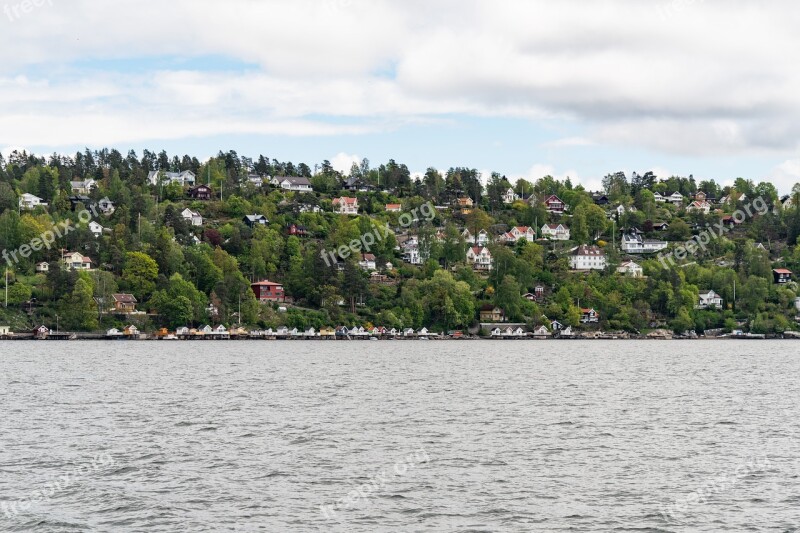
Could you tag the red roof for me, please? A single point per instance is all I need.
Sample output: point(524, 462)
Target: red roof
point(346, 200)
point(782, 271)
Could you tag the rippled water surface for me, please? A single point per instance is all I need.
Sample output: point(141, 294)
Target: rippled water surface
point(400, 436)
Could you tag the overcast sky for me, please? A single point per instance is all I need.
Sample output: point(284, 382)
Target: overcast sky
point(526, 88)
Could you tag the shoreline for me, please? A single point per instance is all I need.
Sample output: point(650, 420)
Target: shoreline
point(84, 338)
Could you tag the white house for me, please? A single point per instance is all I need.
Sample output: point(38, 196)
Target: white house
point(555, 232)
point(700, 206)
point(659, 198)
point(509, 197)
point(76, 261)
point(95, 228)
point(634, 243)
point(541, 332)
point(709, 299)
point(43, 267)
point(346, 205)
point(629, 268)
point(83, 187)
point(106, 206)
point(479, 257)
point(367, 262)
point(292, 184)
point(186, 178)
point(519, 233)
point(675, 198)
point(587, 258)
point(30, 201)
point(192, 217)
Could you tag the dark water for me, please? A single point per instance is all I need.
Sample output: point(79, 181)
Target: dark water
point(400, 436)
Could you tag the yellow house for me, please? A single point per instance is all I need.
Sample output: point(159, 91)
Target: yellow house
point(327, 332)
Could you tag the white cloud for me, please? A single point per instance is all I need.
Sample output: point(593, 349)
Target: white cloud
point(689, 77)
point(785, 175)
point(342, 162)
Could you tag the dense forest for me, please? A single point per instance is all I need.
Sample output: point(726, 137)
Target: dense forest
point(182, 273)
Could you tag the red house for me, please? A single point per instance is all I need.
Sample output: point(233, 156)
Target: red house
point(555, 205)
point(782, 275)
point(267, 291)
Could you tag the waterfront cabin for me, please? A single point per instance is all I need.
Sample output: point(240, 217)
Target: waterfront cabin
point(589, 316)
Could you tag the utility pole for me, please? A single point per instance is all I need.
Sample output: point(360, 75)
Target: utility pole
point(6, 286)
point(56, 323)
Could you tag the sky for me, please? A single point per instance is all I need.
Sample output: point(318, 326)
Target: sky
point(525, 88)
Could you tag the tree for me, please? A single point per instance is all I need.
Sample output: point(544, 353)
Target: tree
point(140, 274)
point(508, 297)
point(79, 309)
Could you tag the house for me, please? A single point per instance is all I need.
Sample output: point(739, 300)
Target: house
point(541, 332)
point(481, 239)
point(519, 233)
point(709, 299)
point(733, 197)
point(586, 257)
point(296, 230)
point(555, 232)
point(42, 332)
point(76, 261)
point(409, 332)
point(185, 178)
point(491, 313)
point(292, 184)
point(255, 220)
point(675, 198)
point(629, 268)
point(782, 275)
point(479, 257)
point(555, 325)
point(30, 201)
point(566, 333)
point(79, 200)
point(5, 331)
point(659, 198)
point(113, 333)
point(192, 217)
point(124, 303)
point(43, 267)
point(412, 253)
point(130, 331)
point(589, 316)
point(555, 205)
point(509, 197)
point(201, 192)
point(367, 262)
point(355, 184)
point(106, 206)
point(699, 206)
point(633, 243)
point(731, 222)
point(83, 187)
point(267, 291)
point(660, 226)
point(96, 229)
point(346, 205)
point(255, 179)
point(600, 199)
point(536, 295)
point(465, 203)
point(394, 208)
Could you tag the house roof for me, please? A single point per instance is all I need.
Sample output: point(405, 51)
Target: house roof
point(589, 251)
point(552, 199)
point(124, 298)
point(783, 271)
point(266, 283)
point(367, 257)
point(345, 200)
